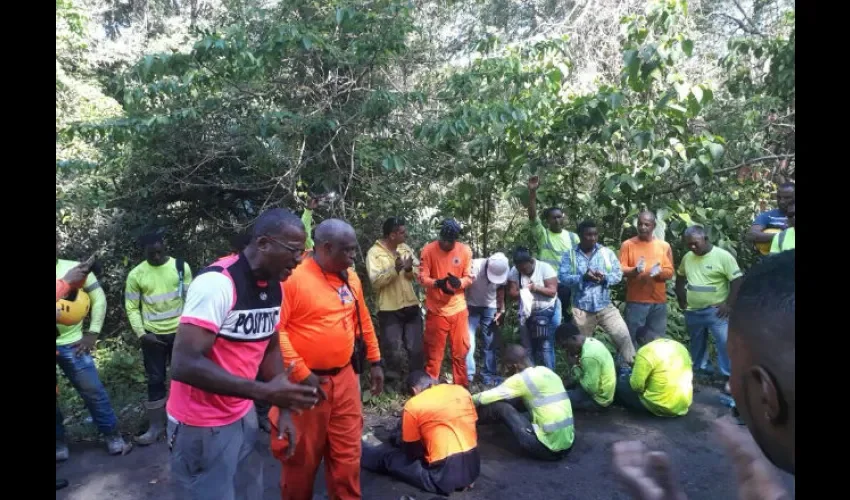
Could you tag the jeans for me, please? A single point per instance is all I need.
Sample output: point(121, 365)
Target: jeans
point(581, 400)
point(483, 316)
point(401, 331)
point(698, 323)
point(82, 374)
point(640, 314)
point(156, 360)
point(543, 348)
point(520, 426)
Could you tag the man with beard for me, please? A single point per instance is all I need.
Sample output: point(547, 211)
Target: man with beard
point(769, 223)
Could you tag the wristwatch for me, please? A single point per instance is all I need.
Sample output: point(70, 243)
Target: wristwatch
point(380, 363)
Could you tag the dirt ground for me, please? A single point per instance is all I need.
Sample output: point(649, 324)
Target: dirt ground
point(584, 475)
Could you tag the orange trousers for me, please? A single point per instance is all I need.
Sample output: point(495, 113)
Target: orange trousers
point(332, 430)
point(437, 328)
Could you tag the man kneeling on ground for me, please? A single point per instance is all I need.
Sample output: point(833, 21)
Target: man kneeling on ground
point(592, 365)
point(550, 434)
point(437, 450)
point(661, 382)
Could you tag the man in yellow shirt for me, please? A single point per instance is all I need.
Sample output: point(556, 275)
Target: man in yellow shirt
point(392, 268)
point(661, 381)
point(706, 286)
point(153, 298)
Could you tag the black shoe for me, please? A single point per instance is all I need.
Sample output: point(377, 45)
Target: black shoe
point(61, 483)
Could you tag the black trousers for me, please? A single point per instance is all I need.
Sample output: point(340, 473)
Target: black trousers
point(520, 426)
point(262, 407)
point(401, 331)
point(392, 461)
point(156, 360)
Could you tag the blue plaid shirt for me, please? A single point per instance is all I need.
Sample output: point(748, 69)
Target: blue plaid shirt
point(587, 295)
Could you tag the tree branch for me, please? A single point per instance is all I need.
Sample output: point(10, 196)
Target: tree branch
point(723, 171)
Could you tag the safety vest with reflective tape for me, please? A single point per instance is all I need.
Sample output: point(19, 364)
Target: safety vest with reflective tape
point(543, 393)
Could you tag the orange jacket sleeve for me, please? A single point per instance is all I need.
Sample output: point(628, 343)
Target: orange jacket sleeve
point(666, 264)
point(373, 352)
point(425, 278)
point(300, 372)
point(62, 289)
point(466, 278)
point(626, 257)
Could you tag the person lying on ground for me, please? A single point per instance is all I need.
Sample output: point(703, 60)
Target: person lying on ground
point(437, 448)
point(590, 271)
point(227, 333)
point(762, 340)
point(592, 365)
point(549, 434)
point(661, 382)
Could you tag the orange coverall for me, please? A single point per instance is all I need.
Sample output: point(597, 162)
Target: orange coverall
point(318, 323)
point(447, 315)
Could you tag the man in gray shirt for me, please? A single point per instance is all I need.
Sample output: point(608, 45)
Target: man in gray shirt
point(485, 299)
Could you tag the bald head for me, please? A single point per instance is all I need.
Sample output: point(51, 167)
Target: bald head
point(336, 245)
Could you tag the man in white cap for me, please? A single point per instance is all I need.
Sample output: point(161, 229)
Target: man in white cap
point(485, 300)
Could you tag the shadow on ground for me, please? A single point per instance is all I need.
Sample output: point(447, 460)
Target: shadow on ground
point(584, 475)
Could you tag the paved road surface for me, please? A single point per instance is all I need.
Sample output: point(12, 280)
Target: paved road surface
point(584, 475)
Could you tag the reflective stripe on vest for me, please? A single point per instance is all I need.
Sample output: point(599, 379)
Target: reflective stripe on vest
point(782, 239)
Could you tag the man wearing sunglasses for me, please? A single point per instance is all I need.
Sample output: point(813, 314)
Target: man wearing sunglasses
point(228, 331)
point(325, 327)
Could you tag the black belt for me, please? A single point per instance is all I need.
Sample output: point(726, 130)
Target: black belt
point(332, 372)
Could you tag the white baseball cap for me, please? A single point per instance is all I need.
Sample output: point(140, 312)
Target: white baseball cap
point(497, 268)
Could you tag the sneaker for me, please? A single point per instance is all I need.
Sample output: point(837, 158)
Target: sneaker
point(116, 445)
point(61, 451)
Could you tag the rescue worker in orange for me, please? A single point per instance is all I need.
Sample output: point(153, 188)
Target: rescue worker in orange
point(444, 272)
point(323, 316)
point(437, 448)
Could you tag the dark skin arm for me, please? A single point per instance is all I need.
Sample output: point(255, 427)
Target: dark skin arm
point(513, 289)
point(756, 234)
point(549, 288)
point(725, 308)
point(681, 292)
point(191, 365)
point(533, 184)
point(500, 305)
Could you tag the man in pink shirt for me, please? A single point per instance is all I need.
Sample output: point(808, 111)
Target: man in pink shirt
point(229, 331)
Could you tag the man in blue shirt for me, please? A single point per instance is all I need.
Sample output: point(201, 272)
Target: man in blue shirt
point(776, 219)
point(590, 271)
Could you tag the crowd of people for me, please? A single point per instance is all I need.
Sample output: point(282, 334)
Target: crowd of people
point(277, 334)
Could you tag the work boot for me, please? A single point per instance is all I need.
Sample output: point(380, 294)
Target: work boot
point(61, 451)
point(116, 445)
point(156, 419)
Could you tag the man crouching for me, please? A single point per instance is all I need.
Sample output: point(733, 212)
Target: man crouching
point(437, 449)
point(549, 433)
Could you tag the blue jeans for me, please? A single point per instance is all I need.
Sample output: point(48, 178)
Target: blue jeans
point(639, 314)
point(482, 316)
point(700, 322)
point(543, 348)
point(82, 374)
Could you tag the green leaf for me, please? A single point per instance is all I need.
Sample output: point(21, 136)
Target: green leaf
point(688, 47)
point(388, 163)
point(716, 151)
point(697, 92)
point(307, 43)
point(340, 15)
point(687, 219)
point(615, 100)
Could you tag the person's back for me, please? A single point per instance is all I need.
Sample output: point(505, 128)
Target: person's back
point(445, 417)
point(599, 375)
point(553, 423)
point(663, 376)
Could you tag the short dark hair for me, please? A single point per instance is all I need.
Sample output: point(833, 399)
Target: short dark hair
point(546, 213)
point(765, 309)
point(273, 221)
point(522, 254)
point(696, 230)
point(418, 379)
point(567, 330)
point(585, 225)
point(151, 238)
point(392, 224)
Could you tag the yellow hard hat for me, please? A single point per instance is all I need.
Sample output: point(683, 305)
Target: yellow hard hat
point(764, 248)
point(73, 308)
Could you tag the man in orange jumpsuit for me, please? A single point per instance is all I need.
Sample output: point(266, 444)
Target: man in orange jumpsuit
point(323, 315)
point(444, 271)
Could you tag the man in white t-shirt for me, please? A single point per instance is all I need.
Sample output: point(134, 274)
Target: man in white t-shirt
point(536, 281)
point(485, 300)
